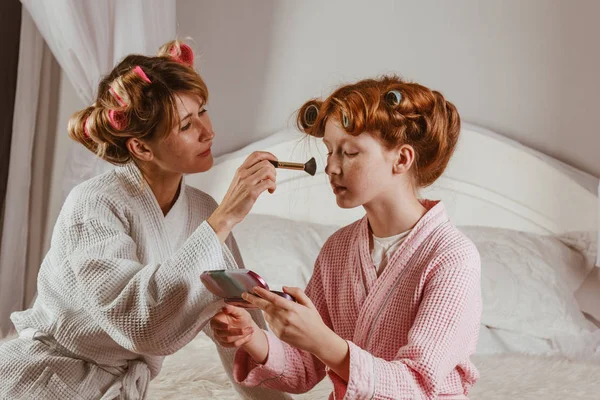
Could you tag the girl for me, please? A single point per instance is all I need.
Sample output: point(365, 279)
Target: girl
point(119, 288)
point(392, 310)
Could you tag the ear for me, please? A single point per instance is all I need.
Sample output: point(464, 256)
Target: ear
point(405, 157)
point(140, 150)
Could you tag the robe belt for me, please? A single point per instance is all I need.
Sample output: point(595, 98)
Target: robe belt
point(132, 379)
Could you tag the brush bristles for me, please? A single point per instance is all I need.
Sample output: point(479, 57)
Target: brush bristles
point(311, 166)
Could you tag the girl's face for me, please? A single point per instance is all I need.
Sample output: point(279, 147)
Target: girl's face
point(187, 148)
point(360, 168)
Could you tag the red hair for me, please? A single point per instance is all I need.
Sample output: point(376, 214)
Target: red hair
point(397, 113)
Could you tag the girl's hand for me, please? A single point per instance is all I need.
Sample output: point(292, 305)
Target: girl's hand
point(298, 324)
point(251, 179)
point(233, 327)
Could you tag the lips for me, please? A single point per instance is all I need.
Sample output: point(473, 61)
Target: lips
point(337, 189)
point(207, 152)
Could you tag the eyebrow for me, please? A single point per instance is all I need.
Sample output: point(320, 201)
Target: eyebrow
point(342, 141)
point(202, 105)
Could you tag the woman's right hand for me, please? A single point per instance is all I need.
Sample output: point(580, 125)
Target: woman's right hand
point(251, 179)
point(233, 326)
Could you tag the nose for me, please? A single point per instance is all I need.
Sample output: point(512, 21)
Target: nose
point(209, 134)
point(206, 130)
point(333, 166)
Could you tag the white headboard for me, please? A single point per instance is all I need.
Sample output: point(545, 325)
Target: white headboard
point(490, 181)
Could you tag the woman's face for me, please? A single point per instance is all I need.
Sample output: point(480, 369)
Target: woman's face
point(187, 148)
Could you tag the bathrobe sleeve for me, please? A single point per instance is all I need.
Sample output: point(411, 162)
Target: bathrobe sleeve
point(227, 355)
point(154, 308)
point(287, 368)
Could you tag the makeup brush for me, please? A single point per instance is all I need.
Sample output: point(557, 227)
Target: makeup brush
point(310, 167)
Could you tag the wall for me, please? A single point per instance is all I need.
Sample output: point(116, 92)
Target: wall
point(526, 69)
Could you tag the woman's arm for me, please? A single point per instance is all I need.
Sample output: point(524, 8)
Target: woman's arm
point(153, 308)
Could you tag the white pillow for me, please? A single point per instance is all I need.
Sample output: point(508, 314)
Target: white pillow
point(280, 250)
point(586, 243)
point(588, 294)
point(528, 282)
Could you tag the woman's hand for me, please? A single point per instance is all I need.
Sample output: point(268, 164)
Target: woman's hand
point(251, 179)
point(300, 325)
point(234, 327)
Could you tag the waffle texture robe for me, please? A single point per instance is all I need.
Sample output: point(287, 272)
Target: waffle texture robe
point(410, 331)
point(118, 290)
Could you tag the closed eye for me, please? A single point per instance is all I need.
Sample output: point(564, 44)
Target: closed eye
point(352, 154)
point(189, 124)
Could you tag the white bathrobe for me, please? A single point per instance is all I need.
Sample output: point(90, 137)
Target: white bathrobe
point(118, 290)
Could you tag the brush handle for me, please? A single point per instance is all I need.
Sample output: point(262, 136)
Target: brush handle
point(287, 165)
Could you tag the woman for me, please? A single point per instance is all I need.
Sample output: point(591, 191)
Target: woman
point(119, 288)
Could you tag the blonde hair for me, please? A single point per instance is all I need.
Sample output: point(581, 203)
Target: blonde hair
point(134, 104)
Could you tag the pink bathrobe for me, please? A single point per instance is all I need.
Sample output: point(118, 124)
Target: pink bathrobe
point(410, 332)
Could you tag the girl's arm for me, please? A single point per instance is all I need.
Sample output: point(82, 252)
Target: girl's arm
point(286, 368)
point(227, 354)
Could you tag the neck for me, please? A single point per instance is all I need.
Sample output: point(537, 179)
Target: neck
point(164, 184)
point(392, 215)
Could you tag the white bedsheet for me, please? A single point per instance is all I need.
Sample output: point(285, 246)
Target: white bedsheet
point(495, 341)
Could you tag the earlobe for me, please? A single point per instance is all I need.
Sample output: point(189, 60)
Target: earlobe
point(400, 165)
point(139, 150)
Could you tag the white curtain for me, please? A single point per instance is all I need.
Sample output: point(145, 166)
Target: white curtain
point(87, 38)
point(14, 251)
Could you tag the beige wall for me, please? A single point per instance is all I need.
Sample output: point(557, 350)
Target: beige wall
point(526, 69)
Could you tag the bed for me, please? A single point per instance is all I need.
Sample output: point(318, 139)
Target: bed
point(533, 219)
